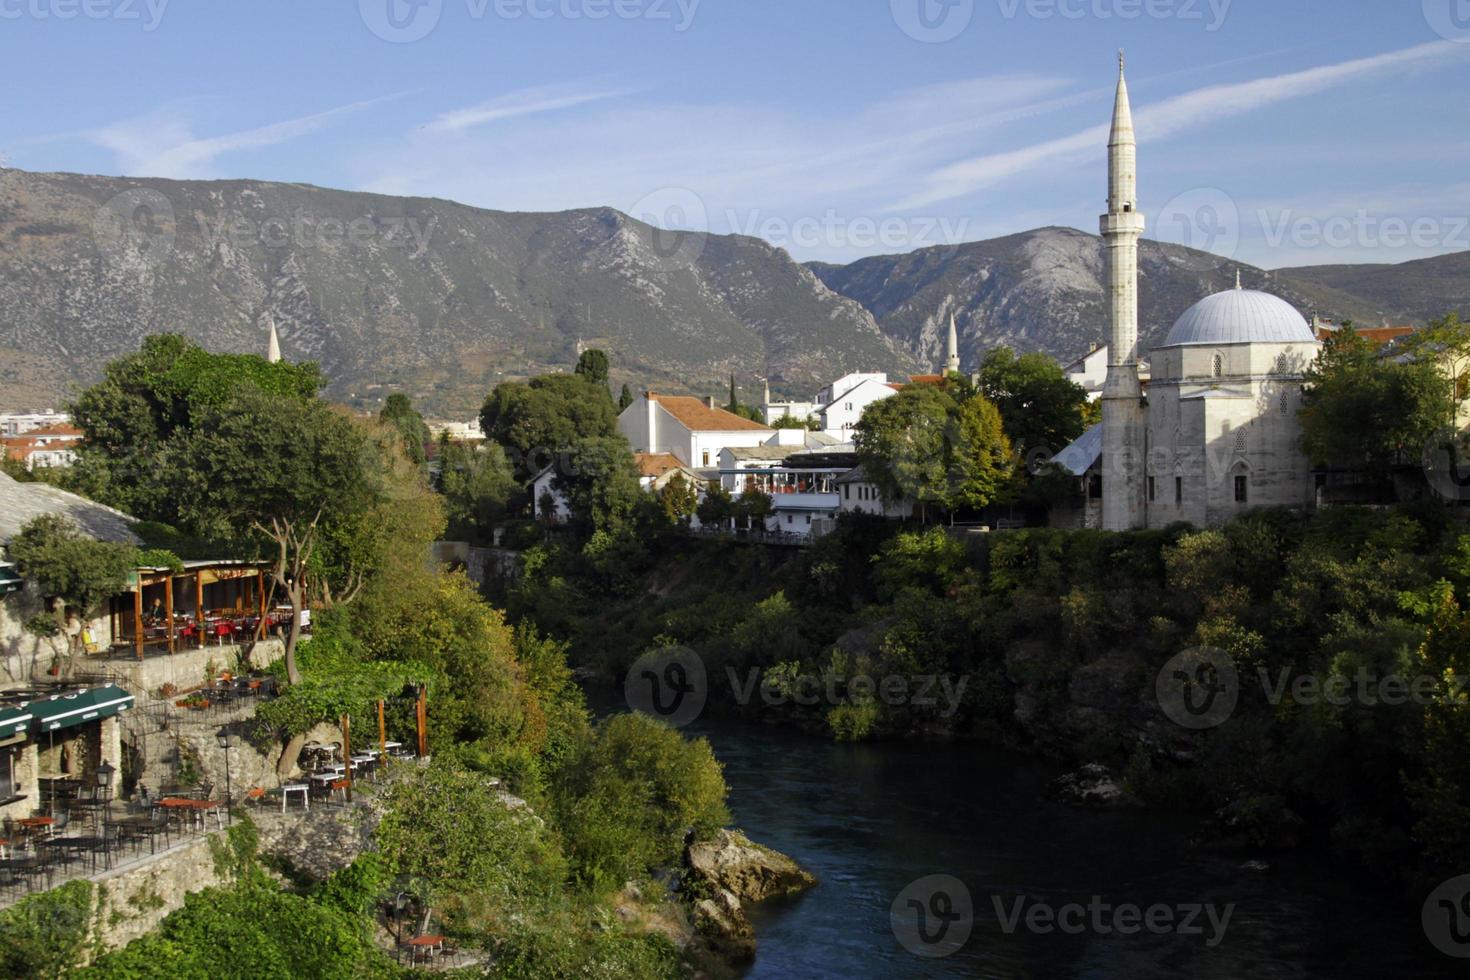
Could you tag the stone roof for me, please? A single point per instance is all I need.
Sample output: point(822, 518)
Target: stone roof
point(20, 503)
point(1081, 455)
point(1240, 316)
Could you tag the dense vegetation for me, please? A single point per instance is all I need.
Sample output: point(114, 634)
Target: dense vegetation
point(1059, 637)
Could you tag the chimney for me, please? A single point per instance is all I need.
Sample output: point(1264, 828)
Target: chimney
point(709, 401)
point(652, 405)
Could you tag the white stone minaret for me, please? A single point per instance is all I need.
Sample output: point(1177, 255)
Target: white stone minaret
point(273, 346)
point(952, 362)
point(1123, 473)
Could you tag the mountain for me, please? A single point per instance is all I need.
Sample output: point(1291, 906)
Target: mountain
point(430, 297)
point(1043, 290)
point(1410, 292)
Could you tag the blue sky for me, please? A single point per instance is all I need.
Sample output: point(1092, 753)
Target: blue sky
point(1279, 132)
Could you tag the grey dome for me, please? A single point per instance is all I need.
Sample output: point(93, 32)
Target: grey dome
point(1240, 316)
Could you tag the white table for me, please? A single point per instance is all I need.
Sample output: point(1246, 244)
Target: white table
point(302, 788)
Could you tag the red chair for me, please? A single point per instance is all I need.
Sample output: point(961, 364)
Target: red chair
point(224, 629)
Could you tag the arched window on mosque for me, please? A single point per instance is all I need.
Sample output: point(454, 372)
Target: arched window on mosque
point(1219, 365)
point(1285, 403)
point(1240, 439)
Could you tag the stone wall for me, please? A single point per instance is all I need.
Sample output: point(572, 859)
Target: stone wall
point(133, 901)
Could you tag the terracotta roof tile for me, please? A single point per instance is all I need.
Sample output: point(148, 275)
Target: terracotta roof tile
point(696, 416)
point(656, 465)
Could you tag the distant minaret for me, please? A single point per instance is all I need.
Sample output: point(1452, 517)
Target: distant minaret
point(952, 362)
point(273, 346)
point(1123, 474)
point(766, 392)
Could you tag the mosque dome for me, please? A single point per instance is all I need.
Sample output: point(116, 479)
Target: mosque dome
point(1240, 316)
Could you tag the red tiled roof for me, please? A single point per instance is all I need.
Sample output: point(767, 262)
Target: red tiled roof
point(655, 465)
point(1376, 335)
point(56, 431)
point(696, 416)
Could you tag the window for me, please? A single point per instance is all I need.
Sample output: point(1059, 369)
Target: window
point(1178, 489)
point(808, 518)
point(1219, 365)
point(788, 518)
point(706, 457)
point(1242, 490)
point(1150, 489)
point(847, 493)
point(7, 774)
point(1240, 439)
point(1285, 402)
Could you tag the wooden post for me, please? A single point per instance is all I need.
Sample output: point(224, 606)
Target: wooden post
point(422, 720)
point(199, 604)
point(260, 587)
point(168, 608)
point(347, 752)
point(138, 618)
point(382, 734)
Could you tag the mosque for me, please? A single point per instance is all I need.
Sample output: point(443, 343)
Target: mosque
point(1214, 431)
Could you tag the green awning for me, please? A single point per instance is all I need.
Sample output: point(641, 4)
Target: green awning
point(66, 710)
point(10, 580)
point(14, 721)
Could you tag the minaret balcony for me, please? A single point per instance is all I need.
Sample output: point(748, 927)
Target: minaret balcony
point(1127, 222)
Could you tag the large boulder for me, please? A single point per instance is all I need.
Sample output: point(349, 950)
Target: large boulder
point(1092, 787)
point(751, 871)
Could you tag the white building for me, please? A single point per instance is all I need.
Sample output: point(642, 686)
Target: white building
point(691, 429)
point(843, 401)
point(1216, 430)
point(19, 423)
point(860, 495)
point(44, 446)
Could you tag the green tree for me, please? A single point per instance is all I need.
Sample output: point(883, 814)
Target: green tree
point(789, 421)
point(399, 412)
point(67, 564)
point(1446, 342)
point(145, 399)
point(903, 443)
point(1367, 412)
point(679, 499)
point(479, 487)
point(592, 366)
point(625, 399)
point(284, 473)
point(546, 415)
point(979, 457)
point(599, 479)
point(754, 507)
point(715, 508)
point(1039, 407)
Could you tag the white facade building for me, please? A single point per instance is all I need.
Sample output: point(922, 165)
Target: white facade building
point(692, 429)
point(844, 400)
point(859, 495)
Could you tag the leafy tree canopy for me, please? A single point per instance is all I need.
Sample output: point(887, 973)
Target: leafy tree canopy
point(1039, 407)
point(593, 366)
point(547, 414)
point(399, 412)
point(66, 563)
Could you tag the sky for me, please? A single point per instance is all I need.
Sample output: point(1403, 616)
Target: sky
point(1276, 132)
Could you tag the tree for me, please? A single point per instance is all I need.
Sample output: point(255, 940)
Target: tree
point(599, 479)
point(67, 564)
point(679, 498)
point(716, 508)
point(399, 412)
point(1367, 412)
point(902, 443)
point(980, 463)
point(1446, 341)
point(753, 507)
point(285, 473)
point(478, 484)
point(592, 366)
point(146, 399)
point(789, 421)
point(624, 399)
point(546, 415)
point(1039, 407)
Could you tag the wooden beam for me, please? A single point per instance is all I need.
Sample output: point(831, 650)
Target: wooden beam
point(138, 619)
point(347, 752)
point(382, 734)
point(260, 587)
point(199, 604)
point(168, 609)
point(421, 712)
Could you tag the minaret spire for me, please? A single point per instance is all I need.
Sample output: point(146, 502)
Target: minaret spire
point(952, 361)
point(1124, 504)
point(273, 345)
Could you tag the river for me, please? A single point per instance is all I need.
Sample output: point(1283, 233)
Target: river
point(870, 819)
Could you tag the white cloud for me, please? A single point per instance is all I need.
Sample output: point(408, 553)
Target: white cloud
point(527, 102)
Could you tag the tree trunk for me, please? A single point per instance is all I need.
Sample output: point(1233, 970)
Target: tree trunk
point(293, 673)
point(289, 755)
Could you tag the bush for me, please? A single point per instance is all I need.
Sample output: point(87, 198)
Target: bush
point(44, 935)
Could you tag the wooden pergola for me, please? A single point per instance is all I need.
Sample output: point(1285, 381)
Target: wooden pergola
point(249, 597)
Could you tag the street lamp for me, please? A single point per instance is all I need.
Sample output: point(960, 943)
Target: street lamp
point(227, 742)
